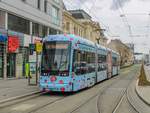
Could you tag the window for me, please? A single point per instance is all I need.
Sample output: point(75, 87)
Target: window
point(2, 19)
point(57, 1)
point(18, 24)
point(83, 62)
point(55, 15)
point(55, 58)
point(39, 30)
point(68, 26)
point(45, 6)
point(35, 29)
point(38, 4)
point(114, 61)
point(101, 58)
point(55, 12)
point(42, 31)
point(52, 31)
point(102, 62)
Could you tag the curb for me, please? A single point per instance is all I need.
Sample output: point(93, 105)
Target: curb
point(137, 92)
point(19, 97)
point(128, 98)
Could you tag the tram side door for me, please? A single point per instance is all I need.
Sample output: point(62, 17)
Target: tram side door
point(109, 66)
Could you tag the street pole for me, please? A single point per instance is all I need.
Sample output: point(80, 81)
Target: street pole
point(37, 68)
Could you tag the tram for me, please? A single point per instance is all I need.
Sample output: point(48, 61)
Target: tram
point(71, 63)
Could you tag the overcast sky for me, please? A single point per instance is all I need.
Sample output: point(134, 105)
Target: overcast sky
point(120, 18)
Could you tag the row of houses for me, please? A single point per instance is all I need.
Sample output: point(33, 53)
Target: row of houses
point(25, 22)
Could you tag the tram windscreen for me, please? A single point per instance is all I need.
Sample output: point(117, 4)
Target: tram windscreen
point(55, 57)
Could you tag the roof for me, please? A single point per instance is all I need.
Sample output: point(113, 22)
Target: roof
point(80, 14)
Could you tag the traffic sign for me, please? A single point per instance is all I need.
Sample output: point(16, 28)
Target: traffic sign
point(38, 47)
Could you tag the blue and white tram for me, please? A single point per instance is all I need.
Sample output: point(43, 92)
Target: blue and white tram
point(70, 63)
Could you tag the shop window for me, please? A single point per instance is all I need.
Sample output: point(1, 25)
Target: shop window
point(42, 31)
point(35, 29)
point(45, 31)
point(18, 24)
point(2, 19)
point(52, 31)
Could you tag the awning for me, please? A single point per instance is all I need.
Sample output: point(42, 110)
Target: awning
point(3, 38)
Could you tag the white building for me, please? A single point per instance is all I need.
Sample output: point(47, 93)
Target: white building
point(29, 21)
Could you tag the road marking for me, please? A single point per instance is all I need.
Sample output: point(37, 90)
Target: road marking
point(23, 107)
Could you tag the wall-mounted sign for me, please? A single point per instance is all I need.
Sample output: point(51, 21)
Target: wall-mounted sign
point(3, 38)
point(36, 40)
point(27, 40)
point(17, 34)
point(38, 47)
point(13, 44)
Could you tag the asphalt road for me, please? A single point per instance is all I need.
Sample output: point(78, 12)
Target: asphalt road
point(109, 96)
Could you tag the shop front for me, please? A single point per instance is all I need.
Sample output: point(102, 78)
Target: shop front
point(3, 39)
point(13, 46)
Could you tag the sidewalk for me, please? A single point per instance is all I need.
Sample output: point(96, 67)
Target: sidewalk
point(144, 91)
point(10, 89)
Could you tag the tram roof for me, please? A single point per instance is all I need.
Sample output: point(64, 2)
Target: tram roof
point(74, 38)
point(68, 37)
point(101, 47)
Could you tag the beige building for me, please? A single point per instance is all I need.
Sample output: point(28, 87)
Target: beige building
point(92, 30)
point(71, 25)
point(78, 22)
point(126, 54)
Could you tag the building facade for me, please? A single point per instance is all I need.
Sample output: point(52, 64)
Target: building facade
point(126, 54)
point(72, 25)
point(23, 22)
point(91, 30)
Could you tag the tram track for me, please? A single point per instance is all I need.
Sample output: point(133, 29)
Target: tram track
point(99, 94)
point(75, 108)
point(51, 99)
point(9, 104)
point(120, 98)
point(19, 100)
point(102, 87)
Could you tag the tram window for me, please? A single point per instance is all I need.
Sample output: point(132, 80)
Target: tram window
point(79, 62)
point(83, 63)
point(102, 62)
point(101, 58)
point(91, 62)
point(102, 67)
point(114, 61)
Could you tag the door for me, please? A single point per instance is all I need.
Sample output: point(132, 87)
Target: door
point(11, 65)
point(1, 60)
